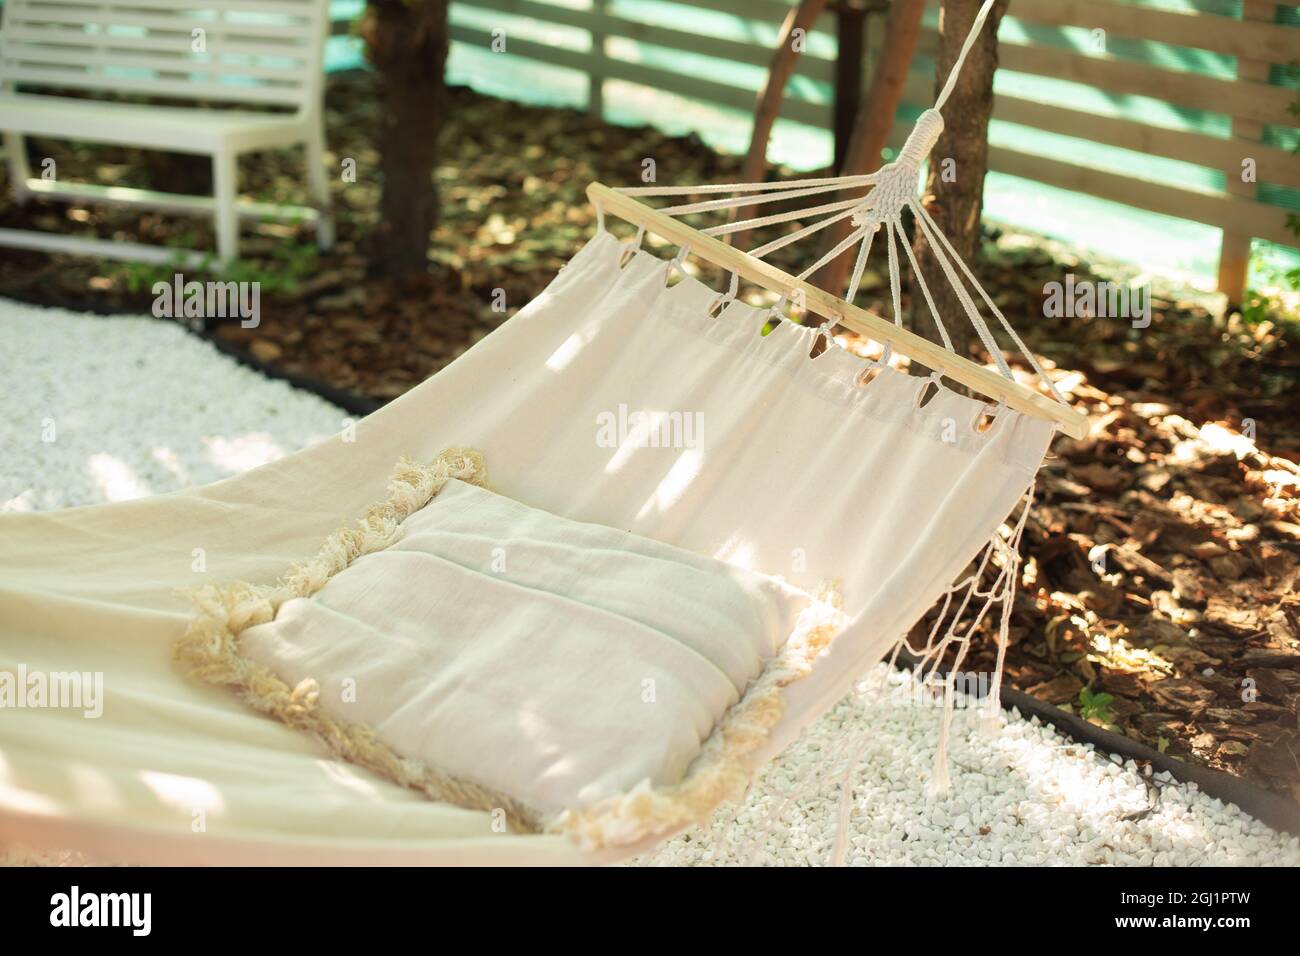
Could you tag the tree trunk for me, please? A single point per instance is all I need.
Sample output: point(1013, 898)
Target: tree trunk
point(871, 128)
point(406, 41)
point(770, 97)
point(954, 185)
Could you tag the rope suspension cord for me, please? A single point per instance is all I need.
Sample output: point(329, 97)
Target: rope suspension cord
point(975, 29)
point(974, 599)
point(892, 189)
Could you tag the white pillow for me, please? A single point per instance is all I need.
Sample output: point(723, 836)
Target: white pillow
point(529, 661)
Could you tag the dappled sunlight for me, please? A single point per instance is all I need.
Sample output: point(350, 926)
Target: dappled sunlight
point(737, 552)
point(115, 479)
point(675, 483)
point(94, 788)
point(19, 799)
point(171, 461)
point(566, 353)
point(243, 453)
point(1069, 785)
point(183, 793)
point(1120, 655)
point(349, 778)
point(621, 456)
point(22, 503)
point(1221, 441)
point(644, 428)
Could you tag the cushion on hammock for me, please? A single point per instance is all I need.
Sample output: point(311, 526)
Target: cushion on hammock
point(534, 662)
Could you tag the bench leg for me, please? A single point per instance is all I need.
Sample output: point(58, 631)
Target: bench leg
point(226, 216)
point(318, 182)
point(19, 171)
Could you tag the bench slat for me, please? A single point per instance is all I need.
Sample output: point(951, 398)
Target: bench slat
point(287, 74)
point(156, 41)
point(252, 51)
point(108, 9)
point(179, 22)
point(161, 85)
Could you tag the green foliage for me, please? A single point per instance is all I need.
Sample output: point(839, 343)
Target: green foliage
point(1259, 306)
point(1251, 311)
point(1095, 706)
point(287, 265)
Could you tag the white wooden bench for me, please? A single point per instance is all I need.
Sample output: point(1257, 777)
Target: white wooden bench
point(239, 75)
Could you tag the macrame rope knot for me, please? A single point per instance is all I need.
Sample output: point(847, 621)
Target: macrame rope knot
point(895, 188)
point(895, 185)
point(926, 132)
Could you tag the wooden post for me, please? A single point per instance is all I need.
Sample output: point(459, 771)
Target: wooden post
point(1234, 252)
point(873, 124)
point(596, 76)
point(956, 202)
point(768, 107)
point(850, 32)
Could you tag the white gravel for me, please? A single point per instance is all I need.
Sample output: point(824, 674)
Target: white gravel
point(140, 407)
point(1024, 795)
point(104, 409)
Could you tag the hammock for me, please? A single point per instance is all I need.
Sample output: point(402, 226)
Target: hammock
point(179, 772)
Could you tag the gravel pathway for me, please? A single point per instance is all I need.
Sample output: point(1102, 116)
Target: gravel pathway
point(1023, 796)
point(106, 409)
point(100, 410)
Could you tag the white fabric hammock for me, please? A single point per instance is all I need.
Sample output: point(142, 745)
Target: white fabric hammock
point(800, 471)
point(794, 467)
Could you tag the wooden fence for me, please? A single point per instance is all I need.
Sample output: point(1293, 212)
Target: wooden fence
point(1040, 38)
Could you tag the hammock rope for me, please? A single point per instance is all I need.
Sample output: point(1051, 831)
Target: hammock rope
point(892, 189)
point(967, 603)
point(954, 627)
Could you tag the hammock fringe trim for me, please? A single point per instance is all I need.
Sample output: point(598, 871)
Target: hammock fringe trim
point(209, 651)
point(722, 770)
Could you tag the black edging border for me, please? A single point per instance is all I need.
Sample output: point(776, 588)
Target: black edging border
point(1265, 806)
point(1269, 808)
point(349, 402)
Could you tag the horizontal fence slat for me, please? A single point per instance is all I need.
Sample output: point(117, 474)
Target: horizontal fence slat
point(817, 68)
point(769, 11)
point(1258, 101)
point(1274, 42)
point(1212, 209)
point(1273, 165)
point(711, 91)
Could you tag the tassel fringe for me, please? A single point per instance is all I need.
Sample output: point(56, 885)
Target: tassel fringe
point(1000, 559)
point(209, 651)
point(722, 771)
